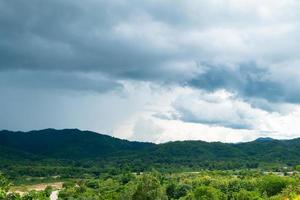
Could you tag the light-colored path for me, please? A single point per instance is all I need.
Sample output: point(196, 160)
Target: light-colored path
point(23, 189)
point(54, 195)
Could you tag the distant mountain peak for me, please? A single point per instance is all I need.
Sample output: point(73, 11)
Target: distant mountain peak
point(264, 139)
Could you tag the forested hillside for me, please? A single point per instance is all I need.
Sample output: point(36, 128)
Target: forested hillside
point(56, 151)
point(67, 143)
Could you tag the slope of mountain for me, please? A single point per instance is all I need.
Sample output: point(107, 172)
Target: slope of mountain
point(67, 143)
point(96, 150)
point(264, 139)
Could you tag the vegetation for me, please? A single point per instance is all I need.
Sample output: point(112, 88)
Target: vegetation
point(94, 166)
point(205, 185)
point(73, 153)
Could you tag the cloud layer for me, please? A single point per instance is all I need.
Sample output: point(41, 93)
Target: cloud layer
point(246, 50)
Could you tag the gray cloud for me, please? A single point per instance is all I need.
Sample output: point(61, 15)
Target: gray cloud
point(256, 84)
point(187, 115)
point(214, 109)
point(248, 48)
point(146, 130)
point(154, 41)
point(40, 80)
point(71, 35)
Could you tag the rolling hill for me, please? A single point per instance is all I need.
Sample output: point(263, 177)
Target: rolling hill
point(67, 143)
point(90, 150)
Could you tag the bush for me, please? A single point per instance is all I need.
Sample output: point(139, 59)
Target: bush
point(4, 186)
point(273, 185)
point(94, 184)
point(208, 193)
point(246, 195)
point(149, 188)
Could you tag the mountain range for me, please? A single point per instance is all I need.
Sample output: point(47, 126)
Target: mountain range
point(51, 146)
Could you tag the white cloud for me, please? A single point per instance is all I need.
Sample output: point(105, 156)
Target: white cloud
point(216, 109)
point(218, 116)
point(163, 70)
point(146, 130)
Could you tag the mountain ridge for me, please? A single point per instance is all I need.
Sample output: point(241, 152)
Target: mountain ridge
point(74, 146)
point(93, 132)
point(46, 141)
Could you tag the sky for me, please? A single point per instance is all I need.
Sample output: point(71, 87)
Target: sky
point(152, 70)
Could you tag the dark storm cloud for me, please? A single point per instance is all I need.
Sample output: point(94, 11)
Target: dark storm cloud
point(40, 80)
point(248, 81)
point(69, 35)
point(148, 41)
point(246, 49)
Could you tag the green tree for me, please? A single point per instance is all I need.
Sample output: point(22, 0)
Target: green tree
point(13, 196)
point(126, 177)
point(34, 195)
point(182, 190)
point(246, 195)
point(48, 190)
point(174, 191)
point(207, 193)
point(4, 186)
point(149, 188)
point(171, 191)
point(272, 185)
point(297, 167)
point(292, 191)
point(94, 184)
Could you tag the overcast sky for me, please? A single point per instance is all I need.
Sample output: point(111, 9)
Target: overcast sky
point(152, 70)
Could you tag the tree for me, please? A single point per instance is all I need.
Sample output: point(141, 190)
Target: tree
point(292, 192)
point(4, 186)
point(273, 185)
point(48, 190)
point(207, 193)
point(174, 191)
point(297, 167)
point(246, 195)
point(94, 184)
point(171, 191)
point(149, 188)
point(13, 196)
point(126, 177)
point(34, 195)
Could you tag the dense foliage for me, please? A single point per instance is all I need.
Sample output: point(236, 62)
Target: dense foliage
point(205, 185)
point(94, 166)
point(75, 153)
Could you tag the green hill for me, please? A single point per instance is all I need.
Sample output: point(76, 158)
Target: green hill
point(55, 150)
point(67, 143)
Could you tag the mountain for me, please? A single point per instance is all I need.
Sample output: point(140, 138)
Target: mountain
point(67, 143)
point(264, 139)
point(62, 151)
